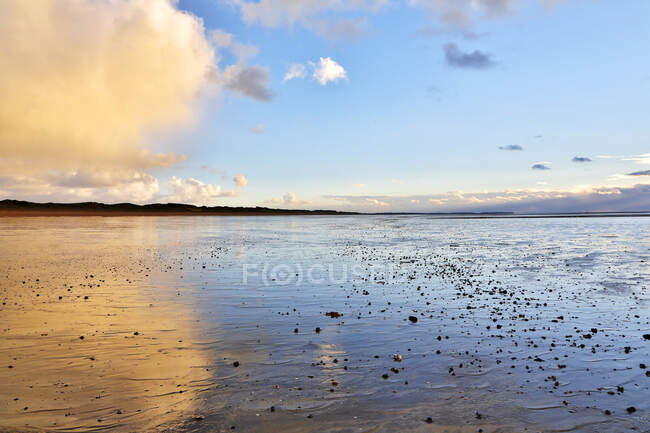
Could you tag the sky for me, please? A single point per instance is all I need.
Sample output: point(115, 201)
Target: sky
point(362, 105)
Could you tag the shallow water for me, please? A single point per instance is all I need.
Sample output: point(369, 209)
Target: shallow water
point(523, 324)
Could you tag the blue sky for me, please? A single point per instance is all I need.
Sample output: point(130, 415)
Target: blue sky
point(434, 92)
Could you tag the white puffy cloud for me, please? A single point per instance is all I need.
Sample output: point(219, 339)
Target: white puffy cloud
point(196, 192)
point(296, 70)
point(240, 181)
point(375, 202)
point(324, 71)
point(289, 199)
point(191, 191)
point(327, 70)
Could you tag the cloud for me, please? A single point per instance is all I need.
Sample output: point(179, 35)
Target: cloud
point(432, 31)
point(640, 173)
point(240, 181)
point(340, 18)
point(342, 29)
point(541, 166)
point(191, 191)
point(327, 70)
point(467, 60)
point(296, 70)
point(587, 198)
point(68, 95)
point(246, 80)
point(397, 181)
point(87, 84)
point(222, 39)
point(251, 81)
point(460, 13)
point(257, 129)
point(581, 159)
point(315, 15)
point(359, 185)
point(375, 202)
point(196, 192)
point(511, 147)
point(74, 186)
point(289, 199)
point(640, 159)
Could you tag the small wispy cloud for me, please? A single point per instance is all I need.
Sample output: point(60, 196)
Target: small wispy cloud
point(467, 60)
point(644, 158)
point(397, 181)
point(640, 173)
point(296, 70)
point(511, 147)
point(541, 166)
point(432, 31)
point(359, 185)
point(581, 159)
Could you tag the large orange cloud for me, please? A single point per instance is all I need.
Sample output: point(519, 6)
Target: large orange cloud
point(84, 81)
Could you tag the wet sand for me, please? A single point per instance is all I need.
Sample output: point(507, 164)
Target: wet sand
point(445, 325)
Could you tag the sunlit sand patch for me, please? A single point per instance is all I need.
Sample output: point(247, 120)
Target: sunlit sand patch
point(126, 357)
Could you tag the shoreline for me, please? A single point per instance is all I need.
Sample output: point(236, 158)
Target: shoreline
point(117, 213)
point(16, 213)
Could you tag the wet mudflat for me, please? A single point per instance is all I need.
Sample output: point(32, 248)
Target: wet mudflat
point(301, 324)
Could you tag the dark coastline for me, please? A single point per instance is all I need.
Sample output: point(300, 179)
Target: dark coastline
point(19, 208)
point(26, 208)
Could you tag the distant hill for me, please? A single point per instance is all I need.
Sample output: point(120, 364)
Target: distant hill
point(26, 208)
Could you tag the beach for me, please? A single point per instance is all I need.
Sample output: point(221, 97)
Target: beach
point(350, 323)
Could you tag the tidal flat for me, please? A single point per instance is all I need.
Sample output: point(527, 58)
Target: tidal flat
point(324, 324)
